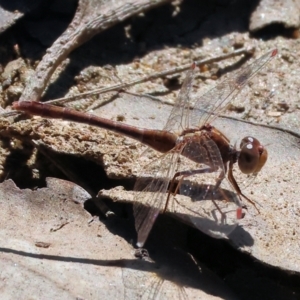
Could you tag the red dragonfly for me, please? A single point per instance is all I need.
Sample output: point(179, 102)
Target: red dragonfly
point(188, 137)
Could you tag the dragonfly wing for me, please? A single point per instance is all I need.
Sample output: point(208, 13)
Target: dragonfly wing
point(152, 198)
point(212, 209)
point(145, 218)
point(153, 282)
point(215, 101)
point(178, 119)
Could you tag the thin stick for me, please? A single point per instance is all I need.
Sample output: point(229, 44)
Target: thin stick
point(179, 69)
point(123, 86)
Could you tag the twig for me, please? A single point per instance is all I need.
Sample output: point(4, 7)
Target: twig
point(122, 86)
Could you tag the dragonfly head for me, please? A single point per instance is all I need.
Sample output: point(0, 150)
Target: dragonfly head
point(253, 155)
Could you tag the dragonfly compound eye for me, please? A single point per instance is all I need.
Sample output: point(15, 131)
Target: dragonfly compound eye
point(252, 156)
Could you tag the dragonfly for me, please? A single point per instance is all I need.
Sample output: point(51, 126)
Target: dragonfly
point(187, 138)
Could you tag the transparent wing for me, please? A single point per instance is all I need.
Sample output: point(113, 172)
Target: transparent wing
point(212, 205)
point(152, 199)
point(214, 216)
point(179, 116)
point(147, 284)
point(215, 101)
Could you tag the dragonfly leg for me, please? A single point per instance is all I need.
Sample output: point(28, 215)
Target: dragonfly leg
point(237, 188)
point(217, 186)
point(183, 175)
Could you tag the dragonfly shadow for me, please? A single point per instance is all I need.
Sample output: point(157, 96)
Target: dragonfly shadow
point(145, 278)
point(196, 191)
point(213, 212)
point(175, 270)
point(186, 212)
point(169, 279)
